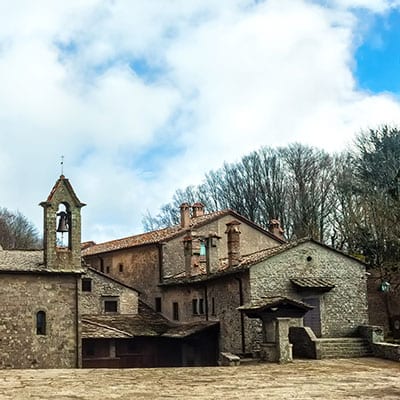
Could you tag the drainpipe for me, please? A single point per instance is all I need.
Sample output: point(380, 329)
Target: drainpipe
point(241, 315)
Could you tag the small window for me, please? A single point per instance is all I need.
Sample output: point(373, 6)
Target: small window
point(201, 306)
point(40, 323)
point(203, 249)
point(121, 267)
point(194, 306)
point(175, 311)
point(107, 270)
point(212, 306)
point(110, 306)
point(86, 285)
point(158, 304)
point(101, 265)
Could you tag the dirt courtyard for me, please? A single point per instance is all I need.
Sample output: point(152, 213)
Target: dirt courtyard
point(362, 378)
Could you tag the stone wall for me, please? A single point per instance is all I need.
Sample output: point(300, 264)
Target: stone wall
point(92, 302)
point(342, 309)
point(21, 298)
point(137, 267)
point(221, 300)
point(251, 240)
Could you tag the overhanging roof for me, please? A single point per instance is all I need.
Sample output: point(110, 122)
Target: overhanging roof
point(321, 284)
point(275, 306)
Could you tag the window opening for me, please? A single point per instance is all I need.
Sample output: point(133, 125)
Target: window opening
point(175, 311)
point(110, 306)
point(40, 323)
point(121, 267)
point(194, 306)
point(203, 249)
point(86, 285)
point(201, 306)
point(212, 306)
point(158, 304)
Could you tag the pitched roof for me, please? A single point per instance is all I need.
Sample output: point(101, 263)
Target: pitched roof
point(146, 323)
point(247, 261)
point(162, 235)
point(62, 180)
point(27, 261)
point(270, 302)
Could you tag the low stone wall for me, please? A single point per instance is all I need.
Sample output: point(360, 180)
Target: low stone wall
point(375, 337)
point(389, 351)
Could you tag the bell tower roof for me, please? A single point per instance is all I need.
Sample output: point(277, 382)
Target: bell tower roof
point(64, 186)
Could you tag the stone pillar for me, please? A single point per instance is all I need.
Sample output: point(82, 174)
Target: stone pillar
point(233, 232)
point(185, 215)
point(284, 348)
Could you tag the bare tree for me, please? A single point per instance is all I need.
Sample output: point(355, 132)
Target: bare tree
point(16, 232)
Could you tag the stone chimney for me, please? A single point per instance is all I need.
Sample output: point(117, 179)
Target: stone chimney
point(188, 251)
point(212, 252)
point(233, 232)
point(197, 210)
point(274, 227)
point(185, 215)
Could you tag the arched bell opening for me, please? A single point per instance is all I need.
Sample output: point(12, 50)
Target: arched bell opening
point(63, 226)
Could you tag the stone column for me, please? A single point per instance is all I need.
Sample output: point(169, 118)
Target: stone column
point(284, 348)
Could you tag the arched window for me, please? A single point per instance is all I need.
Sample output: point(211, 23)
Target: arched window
point(40, 323)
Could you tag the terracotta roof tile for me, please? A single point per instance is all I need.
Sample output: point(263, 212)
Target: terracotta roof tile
point(158, 236)
point(146, 323)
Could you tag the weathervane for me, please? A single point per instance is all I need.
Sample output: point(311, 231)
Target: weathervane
point(62, 165)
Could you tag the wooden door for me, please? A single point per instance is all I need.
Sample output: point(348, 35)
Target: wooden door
point(312, 319)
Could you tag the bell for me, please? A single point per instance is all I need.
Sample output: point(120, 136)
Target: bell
point(63, 225)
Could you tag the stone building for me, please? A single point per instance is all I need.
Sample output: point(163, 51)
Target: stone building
point(39, 297)
point(214, 267)
point(178, 296)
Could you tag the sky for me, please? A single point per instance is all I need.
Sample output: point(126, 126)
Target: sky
point(144, 97)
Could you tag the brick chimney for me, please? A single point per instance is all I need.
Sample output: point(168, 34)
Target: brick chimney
point(185, 215)
point(197, 209)
point(233, 232)
point(275, 228)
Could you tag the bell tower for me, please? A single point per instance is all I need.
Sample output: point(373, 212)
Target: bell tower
point(62, 227)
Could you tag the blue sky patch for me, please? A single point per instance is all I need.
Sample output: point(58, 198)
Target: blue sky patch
point(378, 57)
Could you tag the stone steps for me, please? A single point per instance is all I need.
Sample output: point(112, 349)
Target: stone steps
point(343, 348)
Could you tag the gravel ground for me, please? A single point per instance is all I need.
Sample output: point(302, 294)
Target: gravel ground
point(362, 378)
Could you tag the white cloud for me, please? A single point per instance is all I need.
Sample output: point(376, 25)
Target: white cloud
point(214, 80)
